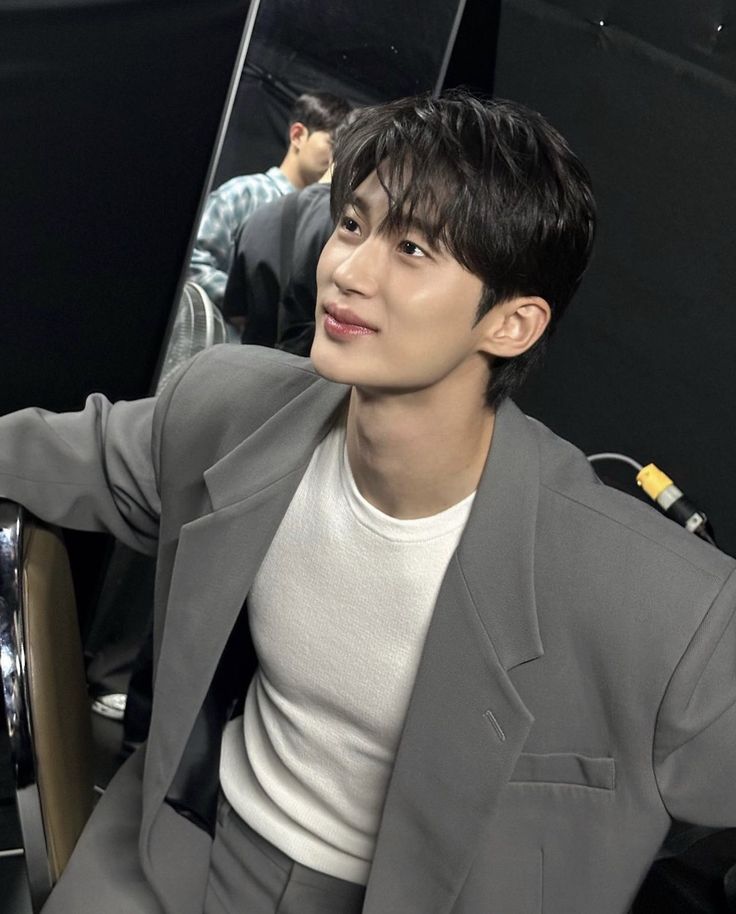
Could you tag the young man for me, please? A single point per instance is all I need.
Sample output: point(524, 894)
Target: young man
point(477, 679)
point(314, 118)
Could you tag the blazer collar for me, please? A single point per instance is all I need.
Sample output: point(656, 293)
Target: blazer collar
point(496, 551)
point(284, 442)
point(465, 724)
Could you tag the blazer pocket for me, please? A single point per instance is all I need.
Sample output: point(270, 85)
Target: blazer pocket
point(565, 768)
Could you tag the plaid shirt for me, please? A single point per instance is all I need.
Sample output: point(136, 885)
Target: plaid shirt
point(227, 209)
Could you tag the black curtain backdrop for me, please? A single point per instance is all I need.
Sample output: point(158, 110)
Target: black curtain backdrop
point(379, 50)
point(643, 362)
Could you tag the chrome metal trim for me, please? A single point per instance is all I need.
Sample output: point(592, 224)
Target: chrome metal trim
point(18, 716)
point(439, 84)
point(12, 852)
point(248, 26)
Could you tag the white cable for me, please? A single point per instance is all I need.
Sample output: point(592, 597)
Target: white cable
point(611, 456)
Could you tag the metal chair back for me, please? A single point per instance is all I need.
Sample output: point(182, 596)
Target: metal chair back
point(45, 696)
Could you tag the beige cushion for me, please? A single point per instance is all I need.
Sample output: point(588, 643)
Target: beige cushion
point(58, 694)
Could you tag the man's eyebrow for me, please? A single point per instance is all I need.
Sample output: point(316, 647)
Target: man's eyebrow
point(417, 224)
point(414, 224)
point(357, 202)
point(422, 227)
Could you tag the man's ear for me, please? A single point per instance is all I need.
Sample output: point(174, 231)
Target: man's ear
point(513, 326)
point(298, 134)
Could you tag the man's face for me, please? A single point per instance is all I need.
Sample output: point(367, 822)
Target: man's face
point(392, 313)
point(315, 155)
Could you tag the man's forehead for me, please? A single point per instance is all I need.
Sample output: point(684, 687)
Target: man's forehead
point(371, 193)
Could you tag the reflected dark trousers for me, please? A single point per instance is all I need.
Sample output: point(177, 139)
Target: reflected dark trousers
point(250, 876)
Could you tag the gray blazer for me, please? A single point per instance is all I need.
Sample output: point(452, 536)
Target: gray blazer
point(576, 690)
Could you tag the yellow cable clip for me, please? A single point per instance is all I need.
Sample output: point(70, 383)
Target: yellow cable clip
point(653, 480)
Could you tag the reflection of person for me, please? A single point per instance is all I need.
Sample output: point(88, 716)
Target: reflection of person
point(476, 677)
point(272, 288)
point(313, 121)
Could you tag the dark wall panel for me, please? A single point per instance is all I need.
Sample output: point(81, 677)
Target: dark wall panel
point(644, 361)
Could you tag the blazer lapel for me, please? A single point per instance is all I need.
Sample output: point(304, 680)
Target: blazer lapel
point(217, 558)
point(465, 724)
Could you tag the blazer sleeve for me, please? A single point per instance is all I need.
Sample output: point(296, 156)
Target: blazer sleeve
point(95, 469)
point(695, 738)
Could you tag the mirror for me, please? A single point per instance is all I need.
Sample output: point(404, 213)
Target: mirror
point(298, 48)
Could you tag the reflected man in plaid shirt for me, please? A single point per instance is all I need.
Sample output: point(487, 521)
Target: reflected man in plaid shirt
point(314, 119)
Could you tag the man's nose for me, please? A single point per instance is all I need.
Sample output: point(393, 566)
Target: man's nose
point(358, 271)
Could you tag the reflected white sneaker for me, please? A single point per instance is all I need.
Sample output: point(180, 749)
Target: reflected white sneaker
point(110, 705)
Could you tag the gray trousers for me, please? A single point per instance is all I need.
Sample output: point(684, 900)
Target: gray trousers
point(250, 876)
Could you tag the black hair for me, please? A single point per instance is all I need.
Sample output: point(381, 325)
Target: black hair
point(320, 111)
point(493, 183)
point(349, 119)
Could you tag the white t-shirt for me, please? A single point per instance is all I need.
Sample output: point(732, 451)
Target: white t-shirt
point(339, 611)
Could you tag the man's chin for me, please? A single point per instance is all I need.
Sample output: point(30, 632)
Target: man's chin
point(327, 369)
point(329, 362)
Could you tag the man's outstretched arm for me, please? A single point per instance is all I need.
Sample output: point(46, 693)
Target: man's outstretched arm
point(89, 470)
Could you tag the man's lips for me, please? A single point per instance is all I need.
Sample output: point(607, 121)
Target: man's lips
point(344, 319)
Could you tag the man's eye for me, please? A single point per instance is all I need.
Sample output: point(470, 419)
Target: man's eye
point(349, 224)
point(413, 250)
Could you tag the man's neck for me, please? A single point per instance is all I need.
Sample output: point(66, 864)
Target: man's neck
point(290, 168)
point(411, 460)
